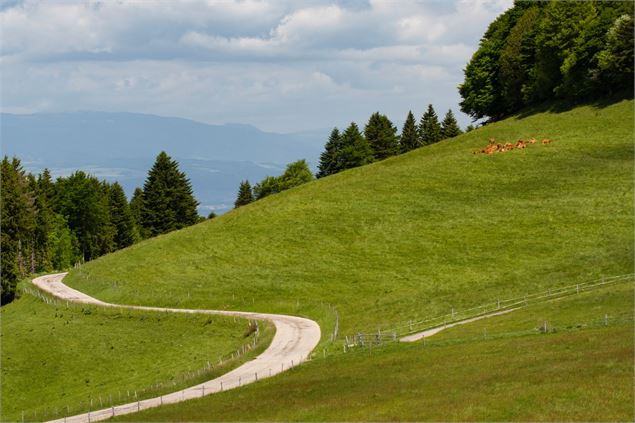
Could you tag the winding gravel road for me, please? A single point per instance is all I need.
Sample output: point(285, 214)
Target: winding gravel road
point(292, 344)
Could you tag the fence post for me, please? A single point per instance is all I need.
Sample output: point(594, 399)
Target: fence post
point(606, 320)
point(577, 288)
point(452, 313)
point(499, 303)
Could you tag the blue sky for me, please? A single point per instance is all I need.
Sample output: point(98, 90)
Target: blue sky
point(280, 65)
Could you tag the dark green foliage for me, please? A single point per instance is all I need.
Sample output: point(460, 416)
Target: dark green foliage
point(355, 149)
point(616, 60)
point(409, 139)
point(381, 134)
point(83, 201)
point(121, 218)
point(10, 207)
point(539, 51)
point(245, 194)
point(449, 126)
point(329, 159)
point(296, 173)
point(136, 207)
point(429, 127)
point(168, 202)
point(266, 187)
point(211, 215)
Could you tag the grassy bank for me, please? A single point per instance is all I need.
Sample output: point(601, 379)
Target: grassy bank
point(412, 236)
point(499, 369)
point(56, 356)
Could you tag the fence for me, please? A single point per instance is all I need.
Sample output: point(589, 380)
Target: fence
point(361, 339)
point(212, 368)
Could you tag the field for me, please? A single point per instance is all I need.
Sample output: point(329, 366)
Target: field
point(418, 235)
point(498, 369)
point(408, 237)
point(54, 356)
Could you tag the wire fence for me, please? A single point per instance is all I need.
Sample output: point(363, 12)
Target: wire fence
point(108, 398)
point(392, 334)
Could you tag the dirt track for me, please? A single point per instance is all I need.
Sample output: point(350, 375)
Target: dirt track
point(292, 344)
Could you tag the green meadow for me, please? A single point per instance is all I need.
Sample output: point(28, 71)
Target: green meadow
point(412, 236)
point(56, 356)
point(503, 368)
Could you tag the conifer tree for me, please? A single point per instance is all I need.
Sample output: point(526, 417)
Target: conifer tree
point(355, 149)
point(121, 218)
point(329, 163)
point(409, 139)
point(381, 134)
point(83, 201)
point(429, 127)
point(449, 126)
point(168, 202)
point(136, 207)
point(9, 199)
point(245, 194)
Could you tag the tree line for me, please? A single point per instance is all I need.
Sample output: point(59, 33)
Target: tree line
point(353, 148)
point(537, 51)
point(52, 225)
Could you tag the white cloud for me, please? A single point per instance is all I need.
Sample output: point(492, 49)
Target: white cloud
point(280, 65)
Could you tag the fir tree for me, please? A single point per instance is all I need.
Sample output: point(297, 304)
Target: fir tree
point(409, 139)
point(329, 164)
point(121, 218)
point(429, 127)
point(381, 134)
point(355, 149)
point(9, 199)
point(168, 202)
point(136, 207)
point(245, 194)
point(449, 126)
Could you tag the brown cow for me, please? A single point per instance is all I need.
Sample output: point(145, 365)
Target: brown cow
point(521, 144)
point(546, 141)
point(532, 141)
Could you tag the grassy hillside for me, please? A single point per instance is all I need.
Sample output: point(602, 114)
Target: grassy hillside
point(498, 369)
point(54, 356)
point(408, 237)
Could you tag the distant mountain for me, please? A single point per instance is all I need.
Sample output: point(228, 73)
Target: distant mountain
point(122, 147)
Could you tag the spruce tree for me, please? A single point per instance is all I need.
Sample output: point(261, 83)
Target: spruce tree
point(168, 202)
point(121, 218)
point(409, 139)
point(9, 199)
point(136, 207)
point(355, 149)
point(245, 194)
point(429, 127)
point(449, 126)
point(381, 134)
point(329, 164)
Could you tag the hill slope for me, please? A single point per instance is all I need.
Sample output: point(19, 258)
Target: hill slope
point(411, 236)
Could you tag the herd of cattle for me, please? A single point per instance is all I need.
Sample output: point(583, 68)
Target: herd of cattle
point(493, 146)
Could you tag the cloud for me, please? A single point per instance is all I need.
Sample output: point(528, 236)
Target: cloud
point(281, 65)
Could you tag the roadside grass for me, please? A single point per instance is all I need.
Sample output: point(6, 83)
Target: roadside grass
point(56, 356)
point(581, 371)
point(408, 237)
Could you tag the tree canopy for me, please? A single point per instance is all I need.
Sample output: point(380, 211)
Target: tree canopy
point(168, 202)
point(538, 51)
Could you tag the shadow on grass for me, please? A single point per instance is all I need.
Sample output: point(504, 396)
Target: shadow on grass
point(561, 106)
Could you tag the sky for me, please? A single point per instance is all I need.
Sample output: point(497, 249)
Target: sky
point(282, 66)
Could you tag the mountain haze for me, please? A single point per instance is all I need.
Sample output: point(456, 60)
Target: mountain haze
point(122, 146)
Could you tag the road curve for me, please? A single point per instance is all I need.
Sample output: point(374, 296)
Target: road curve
point(292, 344)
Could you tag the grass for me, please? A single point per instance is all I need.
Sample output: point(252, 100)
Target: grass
point(581, 370)
point(408, 237)
point(54, 356)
